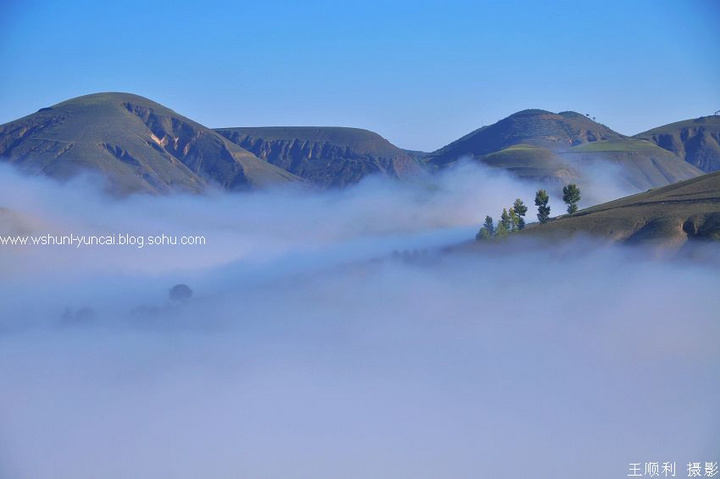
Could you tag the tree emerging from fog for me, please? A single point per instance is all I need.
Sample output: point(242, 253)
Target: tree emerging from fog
point(511, 221)
point(571, 196)
point(541, 201)
point(487, 231)
point(520, 210)
point(180, 292)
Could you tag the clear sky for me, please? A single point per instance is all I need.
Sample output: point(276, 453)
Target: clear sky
point(420, 73)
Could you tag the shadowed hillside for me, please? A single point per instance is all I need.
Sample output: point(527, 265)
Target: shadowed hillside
point(326, 156)
point(137, 144)
point(695, 141)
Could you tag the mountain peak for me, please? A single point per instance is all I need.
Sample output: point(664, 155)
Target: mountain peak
point(555, 131)
point(134, 142)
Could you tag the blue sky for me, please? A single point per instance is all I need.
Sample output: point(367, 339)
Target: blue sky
point(420, 73)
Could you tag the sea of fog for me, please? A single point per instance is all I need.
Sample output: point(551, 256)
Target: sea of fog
point(330, 336)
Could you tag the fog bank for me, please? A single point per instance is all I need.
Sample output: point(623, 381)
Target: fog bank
point(310, 349)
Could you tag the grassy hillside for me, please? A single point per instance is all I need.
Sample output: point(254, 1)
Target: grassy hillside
point(554, 131)
point(540, 145)
point(326, 156)
point(532, 162)
point(642, 164)
point(670, 215)
point(695, 141)
point(137, 144)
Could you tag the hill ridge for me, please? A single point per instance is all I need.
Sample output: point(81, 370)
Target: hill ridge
point(326, 156)
point(136, 143)
point(696, 141)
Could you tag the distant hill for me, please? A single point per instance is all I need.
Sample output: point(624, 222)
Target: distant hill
point(326, 156)
point(140, 145)
point(643, 165)
point(137, 144)
point(553, 131)
point(540, 145)
point(695, 141)
point(669, 216)
point(532, 162)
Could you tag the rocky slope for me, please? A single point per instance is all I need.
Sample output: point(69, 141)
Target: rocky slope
point(326, 156)
point(695, 141)
point(137, 144)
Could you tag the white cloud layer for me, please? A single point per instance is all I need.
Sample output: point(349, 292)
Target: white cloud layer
point(310, 350)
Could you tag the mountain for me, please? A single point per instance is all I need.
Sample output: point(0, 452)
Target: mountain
point(564, 147)
point(326, 156)
point(137, 144)
point(668, 216)
point(140, 145)
point(695, 141)
point(540, 128)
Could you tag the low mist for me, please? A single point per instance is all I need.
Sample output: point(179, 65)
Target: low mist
point(330, 335)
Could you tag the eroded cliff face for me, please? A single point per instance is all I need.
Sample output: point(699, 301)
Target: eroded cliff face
point(135, 144)
point(672, 232)
point(697, 146)
point(326, 157)
point(695, 141)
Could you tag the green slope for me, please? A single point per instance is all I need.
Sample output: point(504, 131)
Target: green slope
point(326, 156)
point(137, 144)
point(643, 164)
point(695, 141)
point(540, 145)
point(670, 215)
point(531, 162)
point(554, 131)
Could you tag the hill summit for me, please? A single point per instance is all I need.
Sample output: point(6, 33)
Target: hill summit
point(553, 131)
point(137, 144)
point(563, 147)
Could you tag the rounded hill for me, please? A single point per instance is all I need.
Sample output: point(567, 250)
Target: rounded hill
point(135, 143)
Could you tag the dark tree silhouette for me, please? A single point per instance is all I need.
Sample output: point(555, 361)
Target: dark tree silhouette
point(487, 231)
point(571, 196)
point(541, 201)
point(520, 210)
point(505, 224)
point(180, 292)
